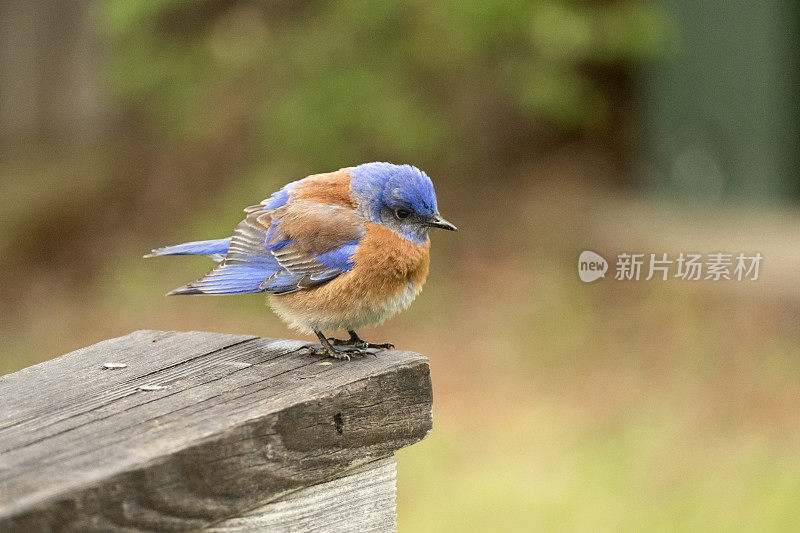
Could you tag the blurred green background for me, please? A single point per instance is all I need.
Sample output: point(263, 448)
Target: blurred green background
point(548, 128)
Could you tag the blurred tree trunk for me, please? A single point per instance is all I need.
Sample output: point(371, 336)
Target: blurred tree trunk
point(49, 70)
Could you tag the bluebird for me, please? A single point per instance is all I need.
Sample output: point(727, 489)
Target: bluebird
point(336, 251)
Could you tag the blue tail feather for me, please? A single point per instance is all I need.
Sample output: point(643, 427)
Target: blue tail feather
point(210, 247)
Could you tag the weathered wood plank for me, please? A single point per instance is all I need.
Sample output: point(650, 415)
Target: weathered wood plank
point(241, 421)
point(362, 500)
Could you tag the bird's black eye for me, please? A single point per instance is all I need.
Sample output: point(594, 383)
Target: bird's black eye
point(402, 213)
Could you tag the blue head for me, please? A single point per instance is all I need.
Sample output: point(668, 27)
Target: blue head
point(400, 197)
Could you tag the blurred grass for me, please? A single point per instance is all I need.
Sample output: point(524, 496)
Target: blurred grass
point(554, 469)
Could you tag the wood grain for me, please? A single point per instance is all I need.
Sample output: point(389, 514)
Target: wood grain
point(362, 500)
point(241, 421)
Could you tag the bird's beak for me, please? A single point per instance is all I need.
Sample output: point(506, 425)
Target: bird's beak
point(438, 222)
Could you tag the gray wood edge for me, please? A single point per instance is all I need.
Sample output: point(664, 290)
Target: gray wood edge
point(240, 421)
point(362, 500)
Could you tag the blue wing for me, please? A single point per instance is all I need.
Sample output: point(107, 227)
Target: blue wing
point(296, 245)
point(245, 266)
point(305, 270)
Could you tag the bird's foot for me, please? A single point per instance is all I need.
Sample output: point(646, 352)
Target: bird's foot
point(321, 349)
point(356, 342)
point(340, 353)
point(359, 344)
point(345, 349)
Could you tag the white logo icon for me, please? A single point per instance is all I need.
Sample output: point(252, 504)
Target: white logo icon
point(591, 266)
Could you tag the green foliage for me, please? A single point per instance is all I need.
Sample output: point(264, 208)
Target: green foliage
point(358, 79)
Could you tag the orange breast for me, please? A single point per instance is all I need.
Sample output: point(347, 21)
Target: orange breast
point(386, 262)
point(385, 266)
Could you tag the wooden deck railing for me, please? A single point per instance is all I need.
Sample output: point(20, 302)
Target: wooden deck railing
point(166, 431)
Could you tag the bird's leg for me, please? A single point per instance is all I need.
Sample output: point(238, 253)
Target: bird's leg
point(354, 341)
point(326, 348)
